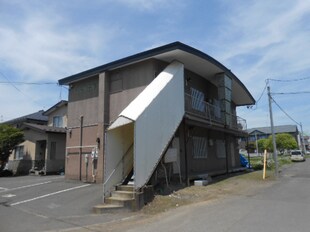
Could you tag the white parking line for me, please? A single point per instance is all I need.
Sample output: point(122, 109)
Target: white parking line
point(50, 194)
point(9, 195)
point(25, 186)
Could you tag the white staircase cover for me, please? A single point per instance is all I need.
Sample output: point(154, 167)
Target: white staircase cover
point(156, 114)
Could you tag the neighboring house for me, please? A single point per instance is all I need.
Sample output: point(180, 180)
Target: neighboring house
point(35, 118)
point(43, 150)
point(264, 132)
point(166, 112)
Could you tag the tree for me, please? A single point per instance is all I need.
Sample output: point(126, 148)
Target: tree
point(285, 141)
point(9, 138)
point(263, 144)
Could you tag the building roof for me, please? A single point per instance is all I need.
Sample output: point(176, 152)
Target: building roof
point(277, 129)
point(44, 128)
point(55, 107)
point(193, 60)
point(37, 116)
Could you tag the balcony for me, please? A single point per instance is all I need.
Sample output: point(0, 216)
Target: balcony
point(213, 113)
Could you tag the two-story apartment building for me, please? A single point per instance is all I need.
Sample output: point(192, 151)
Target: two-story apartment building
point(169, 111)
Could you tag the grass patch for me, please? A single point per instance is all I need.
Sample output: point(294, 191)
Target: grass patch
point(257, 162)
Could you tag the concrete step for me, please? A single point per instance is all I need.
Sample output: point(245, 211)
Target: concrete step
point(124, 188)
point(123, 194)
point(118, 201)
point(108, 208)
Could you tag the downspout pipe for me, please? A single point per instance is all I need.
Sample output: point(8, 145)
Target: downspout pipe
point(81, 144)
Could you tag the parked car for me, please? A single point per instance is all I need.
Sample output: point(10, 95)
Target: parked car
point(297, 155)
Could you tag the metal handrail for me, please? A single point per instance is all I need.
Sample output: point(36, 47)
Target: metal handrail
point(117, 165)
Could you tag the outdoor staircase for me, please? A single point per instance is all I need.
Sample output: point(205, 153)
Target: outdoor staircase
point(123, 198)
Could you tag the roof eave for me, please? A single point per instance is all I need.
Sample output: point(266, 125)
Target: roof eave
point(151, 53)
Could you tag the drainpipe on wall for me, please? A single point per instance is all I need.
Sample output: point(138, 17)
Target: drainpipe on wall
point(227, 149)
point(81, 143)
point(185, 154)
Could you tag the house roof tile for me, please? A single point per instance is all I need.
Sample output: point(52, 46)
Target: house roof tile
point(37, 116)
point(44, 128)
point(277, 129)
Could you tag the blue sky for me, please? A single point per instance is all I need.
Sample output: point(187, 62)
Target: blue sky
point(44, 41)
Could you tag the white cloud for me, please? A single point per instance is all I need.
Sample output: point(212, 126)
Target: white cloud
point(149, 5)
point(272, 33)
point(44, 46)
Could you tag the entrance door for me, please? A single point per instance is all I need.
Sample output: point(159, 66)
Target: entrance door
point(40, 155)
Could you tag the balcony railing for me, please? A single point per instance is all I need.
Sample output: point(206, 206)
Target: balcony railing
point(213, 113)
point(238, 123)
point(203, 109)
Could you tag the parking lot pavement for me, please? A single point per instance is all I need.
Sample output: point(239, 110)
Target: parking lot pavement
point(40, 203)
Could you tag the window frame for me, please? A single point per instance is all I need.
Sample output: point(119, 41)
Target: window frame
point(200, 147)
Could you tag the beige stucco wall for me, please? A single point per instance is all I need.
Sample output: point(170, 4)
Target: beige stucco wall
point(23, 166)
point(29, 144)
point(62, 112)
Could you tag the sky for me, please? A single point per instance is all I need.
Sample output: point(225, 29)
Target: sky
point(43, 41)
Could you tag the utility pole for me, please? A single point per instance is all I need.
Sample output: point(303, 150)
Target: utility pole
point(256, 143)
point(302, 140)
point(275, 155)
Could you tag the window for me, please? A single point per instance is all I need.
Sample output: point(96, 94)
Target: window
point(200, 147)
point(57, 121)
point(198, 100)
point(220, 148)
point(19, 152)
point(116, 83)
point(53, 151)
point(217, 108)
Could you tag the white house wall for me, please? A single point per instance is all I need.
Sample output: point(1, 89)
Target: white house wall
point(119, 140)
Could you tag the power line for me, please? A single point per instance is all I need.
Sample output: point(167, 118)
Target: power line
point(28, 83)
point(9, 82)
point(262, 92)
point(290, 80)
point(260, 97)
point(26, 95)
point(301, 92)
point(284, 111)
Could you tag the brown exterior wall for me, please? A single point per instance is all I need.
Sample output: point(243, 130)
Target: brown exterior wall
point(83, 101)
point(100, 99)
point(127, 83)
point(212, 164)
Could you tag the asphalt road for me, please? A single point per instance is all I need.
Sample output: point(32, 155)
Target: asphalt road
point(51, 203)
point(42, 203)
point(285, 207)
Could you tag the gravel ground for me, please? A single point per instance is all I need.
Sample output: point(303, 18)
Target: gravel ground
point(238, 184)
point(242, 183)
